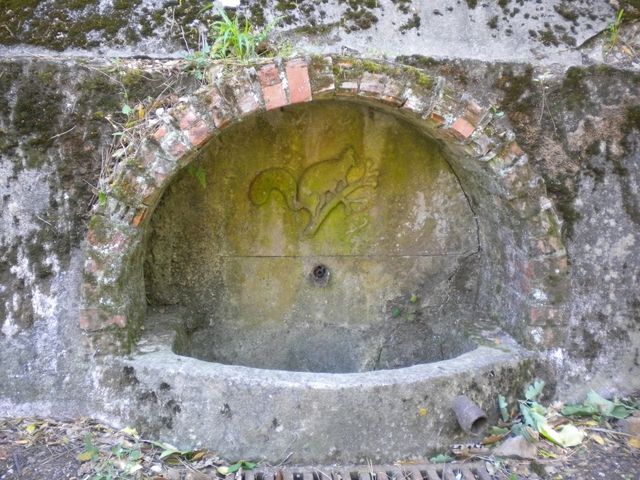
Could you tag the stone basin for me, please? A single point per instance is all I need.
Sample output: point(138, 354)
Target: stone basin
point(312, 279)
point(381, 416)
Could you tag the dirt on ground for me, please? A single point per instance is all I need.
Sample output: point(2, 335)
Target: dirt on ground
point(37, 449)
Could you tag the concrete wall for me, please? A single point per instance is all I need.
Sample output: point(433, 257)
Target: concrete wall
point(570, 99)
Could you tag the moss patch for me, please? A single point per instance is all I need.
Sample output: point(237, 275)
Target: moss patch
point(36, 111)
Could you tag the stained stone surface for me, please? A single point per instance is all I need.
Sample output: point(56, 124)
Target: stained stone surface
point(315, 238)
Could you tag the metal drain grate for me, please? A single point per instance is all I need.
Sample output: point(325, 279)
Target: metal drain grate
point(452, 471)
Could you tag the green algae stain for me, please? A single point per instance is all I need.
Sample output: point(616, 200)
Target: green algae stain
point(332, 182)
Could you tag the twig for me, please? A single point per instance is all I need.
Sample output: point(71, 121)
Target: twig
point(285, 460)
point(63, 133)
point(69, 450)
point(613, 432)
point(43, 220)
point(9, 30)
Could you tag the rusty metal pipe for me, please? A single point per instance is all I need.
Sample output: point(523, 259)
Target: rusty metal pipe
point(470, 416)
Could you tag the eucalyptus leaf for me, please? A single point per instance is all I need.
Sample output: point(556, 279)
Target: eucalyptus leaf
point(534, 390)
point(502, 404)
point(441, 458)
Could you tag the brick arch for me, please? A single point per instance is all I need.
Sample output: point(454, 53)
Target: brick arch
point(482, 152)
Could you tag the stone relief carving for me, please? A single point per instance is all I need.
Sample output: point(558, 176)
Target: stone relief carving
point(321, 187)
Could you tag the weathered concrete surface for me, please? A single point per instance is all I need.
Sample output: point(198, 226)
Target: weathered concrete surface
point(580, 128)
point(267, 414)
point(570, 32)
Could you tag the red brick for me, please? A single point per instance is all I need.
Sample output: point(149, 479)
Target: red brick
point(139, 217)
point(269, 75)
point(515, 149)
point(298, 80)
point(462, 128)
point(436, 119)
point(272, 89)
point(187, 118)
point(194, 126)
point(474, 112)
point(118, 320)
point(220, 111)
point(160, 132)
point(199, 133)
point(274, 96)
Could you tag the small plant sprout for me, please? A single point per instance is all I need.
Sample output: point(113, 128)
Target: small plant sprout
point(236, 39)
point(614, 29)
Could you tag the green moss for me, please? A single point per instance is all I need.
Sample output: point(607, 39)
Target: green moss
point(284, 5)
point(413, 22)
point(548, 37)
point(37, 109)
point(257, 14)
point(519, 91)
point(564, 194)
point(574, 88)
point(320, 29)
point(632, 119)
point(420, 77)
point(566, 11)
point(418, 61)
point(403, 5)
point(493, 22)
point(472, 3)
point(358, 15)
point(60, 25)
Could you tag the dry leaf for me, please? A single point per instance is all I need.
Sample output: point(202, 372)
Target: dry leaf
point(597, 438)
point(491, 439)
point(198, 455)
point(84, 456)
point(634, 442)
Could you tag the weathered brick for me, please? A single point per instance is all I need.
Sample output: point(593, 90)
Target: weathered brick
point(241, 93)
point(474, 113)
point(221, 113)
point(139, 217)
point(321, 77)
point(272, 88)
point(372, 85)
point(298, 80)
point(462, 128)
point(347, 78)
point(394, 92)
point(436, 120)
point(171, 140)
point(195, 126)
point(543, 315)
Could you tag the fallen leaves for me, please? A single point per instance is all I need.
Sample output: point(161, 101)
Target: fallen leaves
point(634, 442)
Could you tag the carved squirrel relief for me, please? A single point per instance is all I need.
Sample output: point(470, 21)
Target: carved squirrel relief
point(320, 188)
